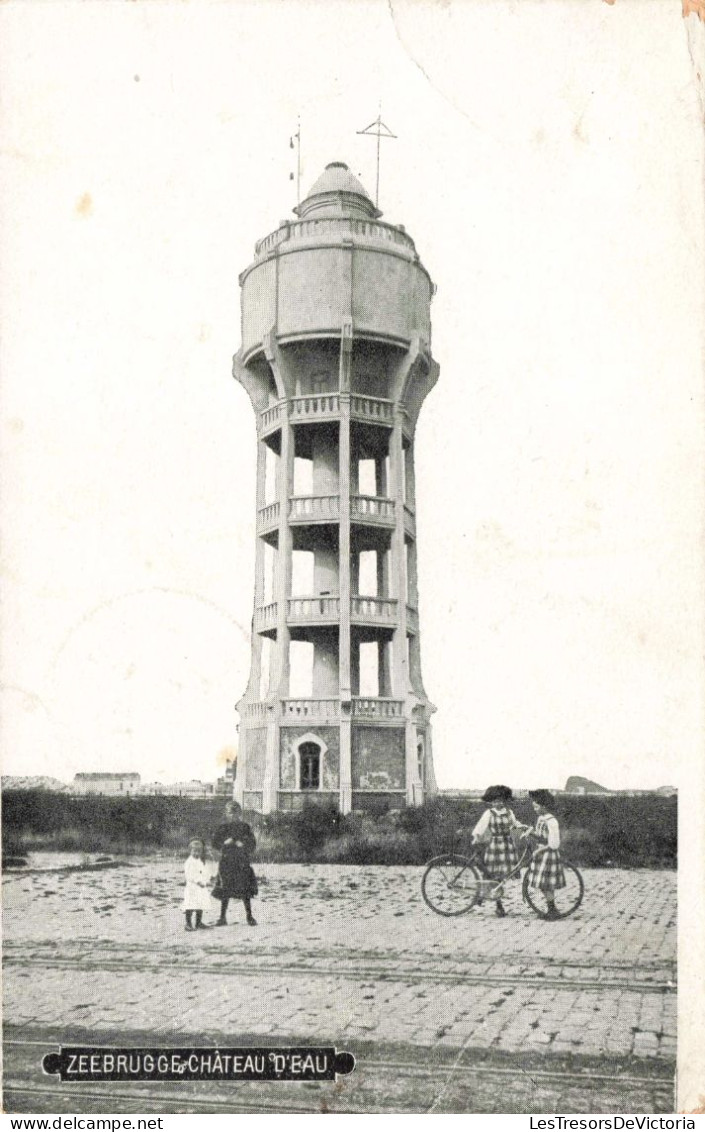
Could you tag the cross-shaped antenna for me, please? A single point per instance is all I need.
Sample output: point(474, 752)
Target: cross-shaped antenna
point(382, 131)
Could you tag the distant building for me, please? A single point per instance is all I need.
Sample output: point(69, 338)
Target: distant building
point(192, 789)
point(153, 788)
point(106, 782)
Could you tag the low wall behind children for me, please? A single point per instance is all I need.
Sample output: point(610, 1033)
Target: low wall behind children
point(615, 831)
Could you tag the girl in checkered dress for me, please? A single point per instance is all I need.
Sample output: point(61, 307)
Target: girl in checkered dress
point(496, 824)
point(546, 870)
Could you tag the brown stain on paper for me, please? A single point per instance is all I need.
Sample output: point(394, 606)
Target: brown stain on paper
point(696, 7)
point(84, 206)
point(226, 755)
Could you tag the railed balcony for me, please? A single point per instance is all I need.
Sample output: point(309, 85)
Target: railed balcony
point(324, 609)
point(270, 419)
point(373, 610)
point(265, 618)
point(267, 518)
point(317, 708)
point(361, 707)
point(376, 707)
point(337, 228)
point(325, 406)
point(375, 509)
point(301, 709)
point(314, 406)
point(319, 610)
point(378, 410)
point(314, 508)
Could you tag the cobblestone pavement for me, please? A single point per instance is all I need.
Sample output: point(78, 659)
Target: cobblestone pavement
point(345, 954)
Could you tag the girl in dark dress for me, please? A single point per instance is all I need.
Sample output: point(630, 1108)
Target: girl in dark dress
point(236, 878)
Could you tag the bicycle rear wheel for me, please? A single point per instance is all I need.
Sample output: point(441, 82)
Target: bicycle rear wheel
point(451, 884)
point(567, 900)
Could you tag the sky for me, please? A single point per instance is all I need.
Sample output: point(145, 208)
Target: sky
point(548, 163)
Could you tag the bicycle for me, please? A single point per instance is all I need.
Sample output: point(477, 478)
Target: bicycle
point(453, 884)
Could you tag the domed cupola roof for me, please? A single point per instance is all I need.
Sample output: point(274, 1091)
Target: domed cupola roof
point(337, 193)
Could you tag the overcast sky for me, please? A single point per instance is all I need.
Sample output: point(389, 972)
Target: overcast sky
point(549, 167)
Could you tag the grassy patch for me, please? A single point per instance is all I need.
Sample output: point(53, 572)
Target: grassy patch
point(621, 831)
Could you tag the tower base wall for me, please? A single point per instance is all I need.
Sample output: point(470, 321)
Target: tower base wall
point(390, 765)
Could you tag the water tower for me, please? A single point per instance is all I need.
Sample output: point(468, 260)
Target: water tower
point(336, 359)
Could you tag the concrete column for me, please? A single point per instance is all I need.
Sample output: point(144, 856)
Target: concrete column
point(282, 590)
point(283, 566)
point(398, 564)
point(239, 783)
point(256, 663)
point(381, 475)
point(381, 572)
point(414, 786)
point(410, 478)
point(344, 571)
point(344, 546)
point(345, 596)
point(385, 674)
point(412, 575)
point(414, 790)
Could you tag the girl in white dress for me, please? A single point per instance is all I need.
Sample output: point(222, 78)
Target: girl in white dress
point(197, 897)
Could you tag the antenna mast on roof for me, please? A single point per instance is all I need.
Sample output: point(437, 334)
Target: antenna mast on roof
point(295, 143)
point(382, 131)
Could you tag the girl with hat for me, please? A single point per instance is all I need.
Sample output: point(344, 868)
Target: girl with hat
point(546, 870)
point(236, 878)
point(496, 825)
point(197, 897)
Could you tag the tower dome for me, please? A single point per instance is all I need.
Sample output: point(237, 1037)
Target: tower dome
point(337, 192)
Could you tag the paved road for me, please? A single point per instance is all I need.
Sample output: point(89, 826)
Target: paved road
point(353, 957)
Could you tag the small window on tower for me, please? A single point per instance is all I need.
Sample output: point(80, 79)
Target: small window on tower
point(309, 766)
point(319, 383)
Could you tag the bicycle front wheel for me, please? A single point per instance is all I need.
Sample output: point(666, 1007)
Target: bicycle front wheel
point(567, 900)
point(451, 884)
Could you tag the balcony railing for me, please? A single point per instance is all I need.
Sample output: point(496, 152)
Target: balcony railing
point(293, 710)
point(374, 609)
point(314, 508)
point(265, 617)
point(372, 509)
point(267, 517)
point(337, 229)
point(324, 609)
point(376, 409)
point(376, 708)
point(270, 418)
point(257, 711)
point(314, 406)
point(326, 406)
point(313, 609)
point(328, 708)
